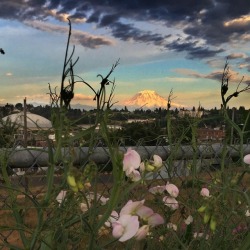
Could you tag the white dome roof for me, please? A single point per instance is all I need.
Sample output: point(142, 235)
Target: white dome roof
point(33, 120)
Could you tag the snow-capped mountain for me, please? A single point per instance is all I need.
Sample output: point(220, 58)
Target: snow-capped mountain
point(147, 98)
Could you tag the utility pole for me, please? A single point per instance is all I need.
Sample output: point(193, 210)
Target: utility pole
point(25, 122)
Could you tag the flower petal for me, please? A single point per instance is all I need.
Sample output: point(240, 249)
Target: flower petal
point(171, 202)
point(155, 220)
point(118, 229)
point(131, 207)
point(134, 175)
point(247, 159)
point(61, 196)
point(172, 190)
point(130, 225)
point(157, 161)
point(142, 232)
point(144, 212)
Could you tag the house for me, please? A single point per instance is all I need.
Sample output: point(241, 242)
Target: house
point(210, 134)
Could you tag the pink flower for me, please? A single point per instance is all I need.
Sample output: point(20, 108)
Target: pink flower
point(247, 159)
point(204, 192)
point(157, 161)
point(61, 196)
point(131, 161)
point(125, 227)
point(172, 190)
point(157, 190)
point(134, 175)
point(171, 202)
point(142, 232)
point(131, 207)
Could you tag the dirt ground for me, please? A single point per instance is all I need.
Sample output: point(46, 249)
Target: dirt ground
point(7, 219)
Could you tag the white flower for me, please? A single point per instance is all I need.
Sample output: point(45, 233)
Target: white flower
point(157, 190)
point(247, 213)
point(172, 226)
point(201, 235)
point(189, 220)
point(61, 196)
point(171, 202)
point(112, 218)
point(134, 175)
point(83, 207)
point(157, 161)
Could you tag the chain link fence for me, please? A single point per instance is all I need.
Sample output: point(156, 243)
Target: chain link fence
point(27, 167)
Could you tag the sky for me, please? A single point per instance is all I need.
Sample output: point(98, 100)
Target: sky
point(162, 45)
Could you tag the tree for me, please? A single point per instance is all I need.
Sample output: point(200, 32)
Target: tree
point(19, 106)
point(7, 131)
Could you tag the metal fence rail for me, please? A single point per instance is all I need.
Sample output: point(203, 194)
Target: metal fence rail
point(29, 157)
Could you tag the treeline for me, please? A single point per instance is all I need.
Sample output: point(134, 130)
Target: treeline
point(210, 118)
point(148, 125)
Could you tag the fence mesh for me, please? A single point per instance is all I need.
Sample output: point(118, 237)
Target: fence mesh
point(28, 167)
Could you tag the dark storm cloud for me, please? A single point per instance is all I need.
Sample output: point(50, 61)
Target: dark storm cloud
point(193, 50)
point(126, 32)
point(216, 22)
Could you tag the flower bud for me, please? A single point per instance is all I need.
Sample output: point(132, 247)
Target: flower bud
point(202, 209)
point(213, 223)
point(149, 167)
point(206, 218)
point(80, 185)
point(71, 180)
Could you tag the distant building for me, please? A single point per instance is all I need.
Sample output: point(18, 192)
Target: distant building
point(141, 120)
point(190, 113)
point(210, 134)
point(35, 124)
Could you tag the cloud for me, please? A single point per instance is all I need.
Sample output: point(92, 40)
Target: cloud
point(8, 74)
point(81, 97)
point(235, 77)
point(193, 50)
point(34, 97)
point(236, 56)
point(78, 37)
point(238, 22)
point(216, 23)
point(127, 32)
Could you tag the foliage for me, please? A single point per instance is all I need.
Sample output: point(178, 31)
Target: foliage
point(7, 130)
